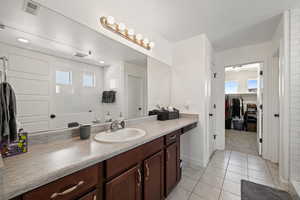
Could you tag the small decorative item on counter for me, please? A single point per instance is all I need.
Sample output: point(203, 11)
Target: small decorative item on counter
point(108, 117)
point(165, 113)
point(15, 147)
point(85, 131)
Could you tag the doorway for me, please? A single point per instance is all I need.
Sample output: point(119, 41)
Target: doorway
point(244, 108)
point(135, 96)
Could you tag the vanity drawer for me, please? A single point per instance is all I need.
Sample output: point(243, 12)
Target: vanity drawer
point(188, 127)
point(153, 147)
point(68, 188)
point(172, 137)
point(122, 162)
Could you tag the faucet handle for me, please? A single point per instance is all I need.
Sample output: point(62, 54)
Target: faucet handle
point(122, 123)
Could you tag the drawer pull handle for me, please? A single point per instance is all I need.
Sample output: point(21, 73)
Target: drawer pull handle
point(173, 137)
point(139, 177)
point(54, 195)
point(147, 171)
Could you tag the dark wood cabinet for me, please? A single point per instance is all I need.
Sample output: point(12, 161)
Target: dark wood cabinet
point(154, 177)
point(69, 187)
point(147, 172)
point(171, 177)
point(127, 186)
point(90, 196)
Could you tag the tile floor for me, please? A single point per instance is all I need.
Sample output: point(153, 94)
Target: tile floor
point(221, 179)
point(241, 141)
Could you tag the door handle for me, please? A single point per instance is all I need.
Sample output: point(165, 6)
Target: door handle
point(210, 114)
point(139, 108)
point(276, 115)
point(52, 116)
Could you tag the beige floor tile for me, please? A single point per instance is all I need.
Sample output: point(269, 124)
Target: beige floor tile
point(222, 165)
point(179, 194)
point(207, 192)
point(216, 171)
point(232, 187)
point(259, 174)
point(238, 169)
point(234, 177)
point(229, 196)
point(187, 183)
point(195, 197)
point(212, 180)
point(192, 173)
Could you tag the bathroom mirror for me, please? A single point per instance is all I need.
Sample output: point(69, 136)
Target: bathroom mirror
point(65, 73)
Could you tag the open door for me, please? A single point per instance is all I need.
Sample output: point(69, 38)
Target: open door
point(260, 112)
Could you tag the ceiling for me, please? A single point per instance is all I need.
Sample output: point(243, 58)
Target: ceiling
point(227, 23)
point(54, 34)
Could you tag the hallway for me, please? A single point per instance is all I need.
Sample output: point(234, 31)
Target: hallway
point(221, 179)
point(241, 141)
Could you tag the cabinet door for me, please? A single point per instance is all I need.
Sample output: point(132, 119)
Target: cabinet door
point(171, 167)
point(90, 196)
point(154, 177)
point(127, 186)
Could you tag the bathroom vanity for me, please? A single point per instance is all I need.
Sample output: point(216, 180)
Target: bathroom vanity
point(147, 168)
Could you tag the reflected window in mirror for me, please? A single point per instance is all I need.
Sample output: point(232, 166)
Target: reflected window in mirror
point(63, 78)
point(89, 80)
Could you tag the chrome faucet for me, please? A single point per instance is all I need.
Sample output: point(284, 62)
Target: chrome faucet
point(117, 125)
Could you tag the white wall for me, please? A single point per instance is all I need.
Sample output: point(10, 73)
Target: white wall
point(159, 83)
point(241, 77)
point(248, 54)
point(114, 80)
point(90, 13)
point(295, 95)
point(190, 94)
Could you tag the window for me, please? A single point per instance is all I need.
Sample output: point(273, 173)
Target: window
point(63, 77)
point(88, 79)
point(231, 87)
point(252, 84)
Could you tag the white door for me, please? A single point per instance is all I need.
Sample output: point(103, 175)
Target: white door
point(260, 109)
point(275, 108)
point(212, 116)
point(29, 77)
point(135, 96)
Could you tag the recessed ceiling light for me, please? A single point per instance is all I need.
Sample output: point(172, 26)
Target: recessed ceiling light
point(23, 40)
point(101, 62)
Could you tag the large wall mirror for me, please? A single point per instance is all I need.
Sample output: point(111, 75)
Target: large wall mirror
point(63, 72)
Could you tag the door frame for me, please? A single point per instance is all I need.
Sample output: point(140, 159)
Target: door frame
point(127, 73)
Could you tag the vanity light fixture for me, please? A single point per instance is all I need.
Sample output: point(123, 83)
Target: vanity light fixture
point(127, 33)
point(23, 40)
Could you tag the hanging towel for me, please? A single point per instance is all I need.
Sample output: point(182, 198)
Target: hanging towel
point(109, 96)
point(8, 112)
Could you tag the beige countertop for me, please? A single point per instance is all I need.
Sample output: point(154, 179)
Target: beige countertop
point(45, 163)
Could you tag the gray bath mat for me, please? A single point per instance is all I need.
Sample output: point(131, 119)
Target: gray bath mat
point(253, 191)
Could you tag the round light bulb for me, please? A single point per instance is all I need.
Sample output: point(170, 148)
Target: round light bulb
point(130, 32)
point(151, 44)
point(110, 20)
point(121, 26)
point(139, 37)
point(146, 41)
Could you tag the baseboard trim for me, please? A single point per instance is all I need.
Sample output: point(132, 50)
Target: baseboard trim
point(192, 162)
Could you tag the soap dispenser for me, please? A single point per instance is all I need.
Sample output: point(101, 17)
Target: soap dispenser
point(108, 117)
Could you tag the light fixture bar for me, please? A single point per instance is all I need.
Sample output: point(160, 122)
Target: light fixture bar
point(120, 29)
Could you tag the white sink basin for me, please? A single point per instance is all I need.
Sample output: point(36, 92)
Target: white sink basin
point(122, 135)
